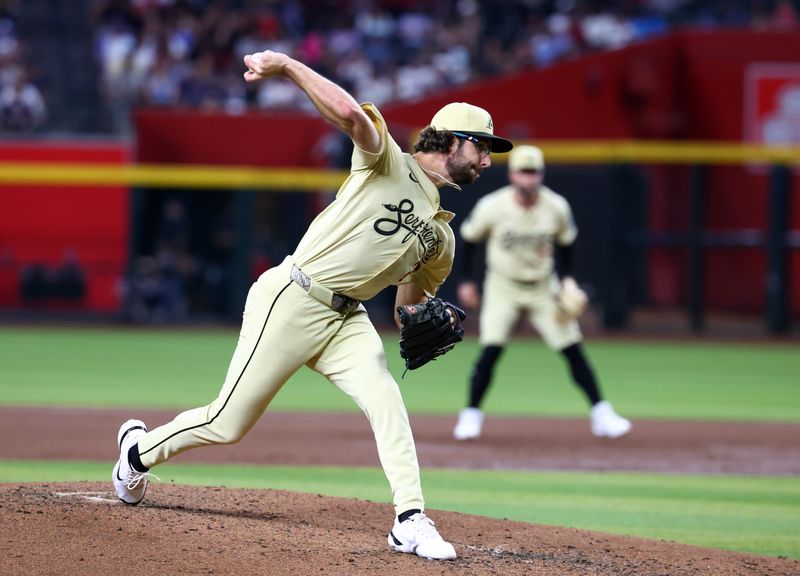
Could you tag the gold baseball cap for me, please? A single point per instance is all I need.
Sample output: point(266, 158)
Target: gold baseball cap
point(472, 121)
point(526, 158)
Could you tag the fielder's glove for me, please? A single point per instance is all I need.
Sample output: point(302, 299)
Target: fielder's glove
point(429, 330)
point(572, 301)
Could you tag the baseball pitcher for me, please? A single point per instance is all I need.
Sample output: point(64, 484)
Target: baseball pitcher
point(385, 227)
point(523, 225)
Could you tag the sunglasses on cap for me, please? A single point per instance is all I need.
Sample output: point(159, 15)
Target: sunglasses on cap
point(483, 146)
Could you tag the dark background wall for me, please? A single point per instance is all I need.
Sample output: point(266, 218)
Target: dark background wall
point(685, 86)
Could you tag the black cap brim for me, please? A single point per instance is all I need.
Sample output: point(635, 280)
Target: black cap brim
point(498, 144)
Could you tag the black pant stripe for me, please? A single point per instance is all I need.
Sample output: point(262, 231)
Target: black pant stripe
point(237, 379)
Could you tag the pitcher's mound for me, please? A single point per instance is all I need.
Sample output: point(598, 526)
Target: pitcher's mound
point(81, 528)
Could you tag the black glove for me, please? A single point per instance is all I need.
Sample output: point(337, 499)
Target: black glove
point(429, 330)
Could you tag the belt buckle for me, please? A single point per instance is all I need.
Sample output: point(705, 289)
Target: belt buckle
point(343, 304)
point(300, 278)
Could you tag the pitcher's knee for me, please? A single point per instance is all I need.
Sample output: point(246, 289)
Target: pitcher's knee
point(387, 402)
point(228, 434)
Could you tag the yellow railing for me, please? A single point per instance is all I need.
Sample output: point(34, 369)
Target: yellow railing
point(226, 177)
point(659, 152)
point(169, 176)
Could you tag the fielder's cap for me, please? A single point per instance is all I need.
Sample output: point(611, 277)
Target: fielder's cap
point(470, 120)
point(526, 158)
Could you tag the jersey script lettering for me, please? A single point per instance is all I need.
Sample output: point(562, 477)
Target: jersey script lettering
point(404, 218)
point(541, 243)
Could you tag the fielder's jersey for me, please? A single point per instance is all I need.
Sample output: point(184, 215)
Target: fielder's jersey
point(385, 226)
point(520, 240)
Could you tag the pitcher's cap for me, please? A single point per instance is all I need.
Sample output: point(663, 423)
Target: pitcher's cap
point(471, 120)
point(526, 158)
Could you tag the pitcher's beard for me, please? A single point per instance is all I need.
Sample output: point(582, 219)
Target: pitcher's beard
point(461, 170)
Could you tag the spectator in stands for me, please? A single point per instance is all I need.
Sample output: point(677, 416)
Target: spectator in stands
point(154, 291)
point(173, 229)
point(163, 85)
point(201, 89)
point(22, 107)
point(69, 278)
point(161, 286)
point(34, 284)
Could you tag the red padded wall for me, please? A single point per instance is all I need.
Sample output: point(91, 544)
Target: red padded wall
point(38, 224)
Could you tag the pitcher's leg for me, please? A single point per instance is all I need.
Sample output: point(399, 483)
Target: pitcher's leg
point(354, 361)
point(269, 351)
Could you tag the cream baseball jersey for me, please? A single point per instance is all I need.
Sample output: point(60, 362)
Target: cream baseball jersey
point(385, 227)
point(520, 240)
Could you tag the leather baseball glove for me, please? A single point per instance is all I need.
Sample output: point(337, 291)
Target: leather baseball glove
point(572, 301)
point(429, 330)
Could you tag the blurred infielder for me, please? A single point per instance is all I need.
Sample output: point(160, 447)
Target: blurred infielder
point(521, 224)
point(385, 227)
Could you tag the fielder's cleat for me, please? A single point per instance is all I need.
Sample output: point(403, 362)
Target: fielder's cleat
point(418, 535)
point(606, 423)
point(470, 423)
point(129, 484)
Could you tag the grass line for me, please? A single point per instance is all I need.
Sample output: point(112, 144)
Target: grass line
point(750, 514)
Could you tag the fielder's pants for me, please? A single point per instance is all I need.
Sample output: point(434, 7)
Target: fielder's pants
point(504, 299)
point(282, 329)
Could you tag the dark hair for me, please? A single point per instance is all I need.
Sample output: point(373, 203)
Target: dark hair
point(433, 140)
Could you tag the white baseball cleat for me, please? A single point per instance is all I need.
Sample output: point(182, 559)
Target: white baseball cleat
point(606, 423)
point(470, 423)
point(418, 535)
point(129, 484)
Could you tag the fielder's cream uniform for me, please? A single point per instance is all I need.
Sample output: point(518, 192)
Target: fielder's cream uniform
point(519, 264)
point(385, 227)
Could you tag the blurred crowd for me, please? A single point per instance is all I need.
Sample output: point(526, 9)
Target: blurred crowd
point(172, 279)
point(183, 267)
point(61, 284)
point(22, 108)
point(189, 52)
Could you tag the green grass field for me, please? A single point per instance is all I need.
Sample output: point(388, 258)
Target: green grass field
point(180, 369)
point(151, 368)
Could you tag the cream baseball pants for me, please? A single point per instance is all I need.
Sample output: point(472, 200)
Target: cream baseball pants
point(284, 328)
point(504, 299)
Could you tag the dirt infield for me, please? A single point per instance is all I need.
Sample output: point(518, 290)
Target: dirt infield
point(80, 528)
point(49, 529)
point(508, 443)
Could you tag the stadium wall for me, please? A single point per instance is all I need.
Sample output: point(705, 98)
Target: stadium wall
point(689, 85)
point(43, 225)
